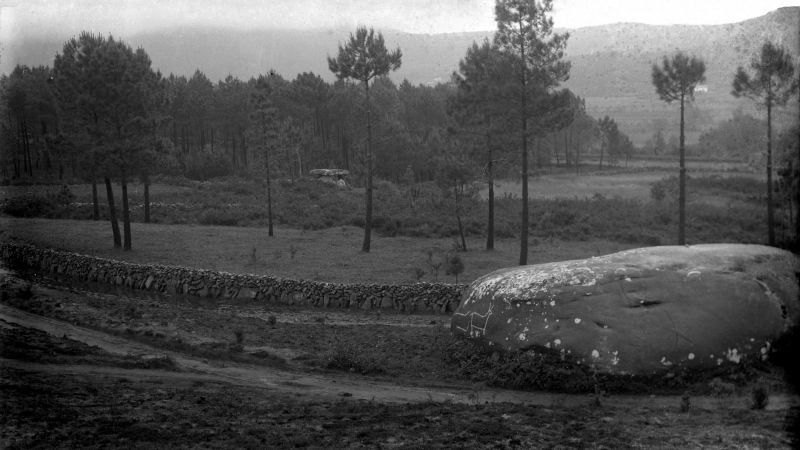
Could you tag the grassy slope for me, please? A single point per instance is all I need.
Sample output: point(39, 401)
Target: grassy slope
point(327, 255)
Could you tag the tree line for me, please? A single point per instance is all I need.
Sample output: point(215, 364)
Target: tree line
point(102, 114)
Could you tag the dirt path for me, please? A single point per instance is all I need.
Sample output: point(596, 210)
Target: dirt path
point(316, 385)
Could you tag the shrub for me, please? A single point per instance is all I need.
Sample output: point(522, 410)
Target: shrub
point(760, 398)
point(215, 216)
point(348, 357)
point(31, 206)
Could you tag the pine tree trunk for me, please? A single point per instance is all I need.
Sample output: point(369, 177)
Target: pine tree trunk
point(490, 176)
point(368, 217)
point(271, 232)
point(95, 202)
point(112, 214)
point(770, 206)
point(682, 186)
point(461, 229)
point(146, 199)
point(126, 214)
point(523, 240)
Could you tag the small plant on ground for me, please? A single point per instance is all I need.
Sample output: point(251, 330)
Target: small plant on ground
point(434, 261)
point(25, 292)
point(418, 273)
point(253, 257)
point(239, 345)
point(759, 397)
point(686, 402)
point(346, 356)
point(271, 321)
point(455, 266)
point(292, 251)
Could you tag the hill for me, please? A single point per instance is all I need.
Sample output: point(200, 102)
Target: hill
point(610, 64)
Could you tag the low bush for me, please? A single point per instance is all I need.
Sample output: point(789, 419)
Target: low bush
point(350, 358)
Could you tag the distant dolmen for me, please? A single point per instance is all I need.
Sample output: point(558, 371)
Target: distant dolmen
point(331, 176)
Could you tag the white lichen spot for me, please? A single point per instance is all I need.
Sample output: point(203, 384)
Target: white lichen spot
point(595, 354)
point(614, 358)
point(628, 279)
point(577, 320)
point(693, 274)
point(527, 303)
point(733, 355)
point(521, 337)
point(547, 344)
point(509, 320)
point(664, 361)
point(752, 339)
point(557, 342)
point(546, 327)
point(691, 356)
point(552, 303)
point(719, 361)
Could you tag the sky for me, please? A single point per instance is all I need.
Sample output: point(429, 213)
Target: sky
point(124, 17)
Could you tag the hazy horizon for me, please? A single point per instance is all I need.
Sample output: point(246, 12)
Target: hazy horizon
point(128, 17)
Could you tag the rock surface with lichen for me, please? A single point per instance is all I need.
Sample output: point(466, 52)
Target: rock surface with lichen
point(640, 311)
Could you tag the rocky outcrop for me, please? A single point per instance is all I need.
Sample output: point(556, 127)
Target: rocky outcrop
point(411, 298)
point(640, 311)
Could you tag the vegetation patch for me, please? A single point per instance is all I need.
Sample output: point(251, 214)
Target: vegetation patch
point(546, 370)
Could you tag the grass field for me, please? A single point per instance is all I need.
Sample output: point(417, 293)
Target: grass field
point(628, 181)
point(326, 255)
point(221, 224)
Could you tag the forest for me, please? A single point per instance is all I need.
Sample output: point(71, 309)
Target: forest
point(103, 115)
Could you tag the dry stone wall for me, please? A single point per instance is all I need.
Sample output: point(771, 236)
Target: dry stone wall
point(411, 298)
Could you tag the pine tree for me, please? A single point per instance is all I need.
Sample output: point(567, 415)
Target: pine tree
point(480, 107)
point(676, 80)
point(525, 30)
point(108, 88)
point(364, 58)
point(772, 84)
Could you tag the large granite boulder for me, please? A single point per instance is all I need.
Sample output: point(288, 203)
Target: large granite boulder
point(640, 311)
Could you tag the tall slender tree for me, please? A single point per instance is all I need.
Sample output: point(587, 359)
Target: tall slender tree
point(675, 80)
point(525, 30)
point(772, 84)
point(364, 58)
point(480, 106)
point(265, 118)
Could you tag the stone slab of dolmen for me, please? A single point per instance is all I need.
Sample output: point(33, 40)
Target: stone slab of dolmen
point(640, 311)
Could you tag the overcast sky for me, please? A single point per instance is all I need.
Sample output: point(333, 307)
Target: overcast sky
point(124, 17)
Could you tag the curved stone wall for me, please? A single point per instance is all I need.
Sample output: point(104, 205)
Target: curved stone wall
point(409, 298)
